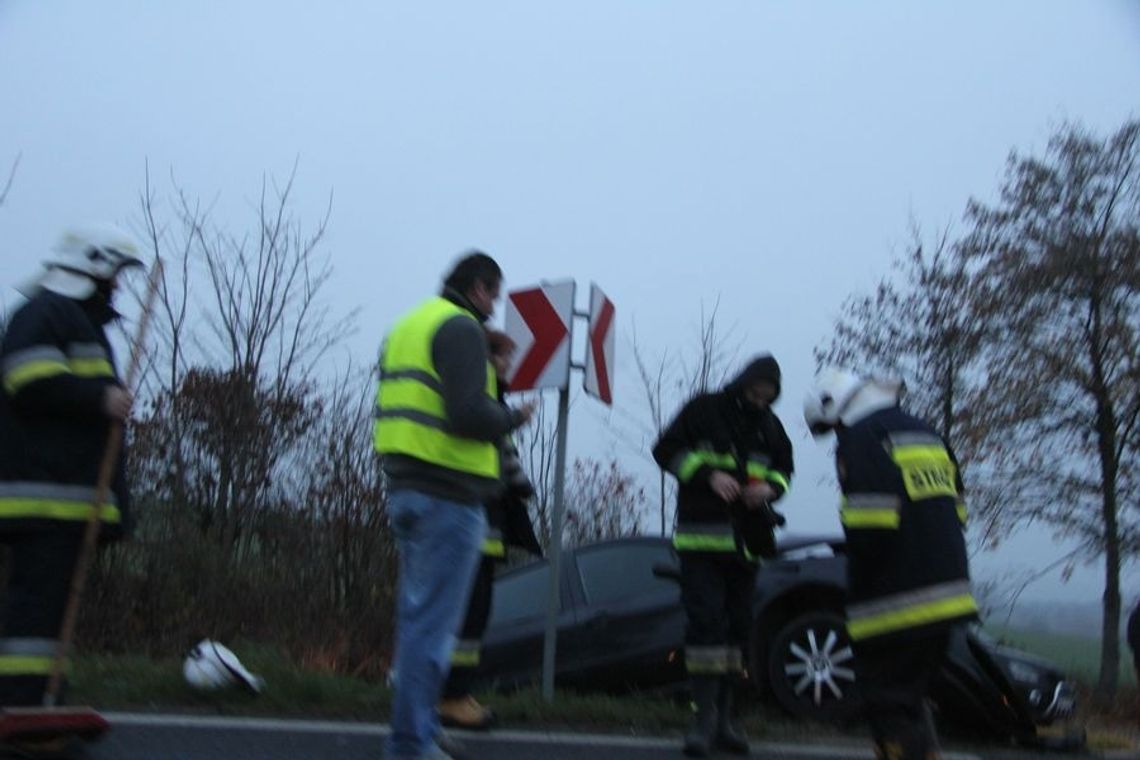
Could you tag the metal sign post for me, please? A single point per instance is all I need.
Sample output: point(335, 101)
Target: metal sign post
point(553, 599)
point(541, 321)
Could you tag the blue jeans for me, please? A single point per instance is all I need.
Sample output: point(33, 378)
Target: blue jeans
point(439, 543)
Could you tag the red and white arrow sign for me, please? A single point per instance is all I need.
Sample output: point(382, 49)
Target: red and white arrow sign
point(600, 348)
point(539, 320)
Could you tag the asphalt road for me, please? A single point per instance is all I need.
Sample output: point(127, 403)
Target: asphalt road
point(173, 737)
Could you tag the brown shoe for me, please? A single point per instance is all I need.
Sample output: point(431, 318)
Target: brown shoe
point(465, 712)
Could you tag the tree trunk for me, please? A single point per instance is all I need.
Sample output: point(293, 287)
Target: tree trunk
point(1106, 424)
point(1110, 632)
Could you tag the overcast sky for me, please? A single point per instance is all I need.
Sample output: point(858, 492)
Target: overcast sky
point(766, 154)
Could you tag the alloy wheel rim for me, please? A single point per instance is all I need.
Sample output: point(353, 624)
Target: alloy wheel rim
point(816, 670)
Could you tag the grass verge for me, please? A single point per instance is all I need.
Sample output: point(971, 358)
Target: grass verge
point(144, 684)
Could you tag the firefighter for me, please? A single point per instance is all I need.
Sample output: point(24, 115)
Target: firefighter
point(508, 524)
point(907, 572)
point(732, 460)
point(60, 395)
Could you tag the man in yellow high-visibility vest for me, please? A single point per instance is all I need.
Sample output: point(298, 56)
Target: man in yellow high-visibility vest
point(437, 422)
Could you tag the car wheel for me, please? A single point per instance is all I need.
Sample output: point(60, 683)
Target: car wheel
point(811, 667)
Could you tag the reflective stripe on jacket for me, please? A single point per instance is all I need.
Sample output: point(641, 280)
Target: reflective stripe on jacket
point(52, 501)
point(22, 656)
point(410, 415)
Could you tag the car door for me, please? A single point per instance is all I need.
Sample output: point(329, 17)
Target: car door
point(513, 641)
point(630, 624)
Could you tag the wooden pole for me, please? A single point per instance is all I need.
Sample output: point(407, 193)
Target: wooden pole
point(102, 488)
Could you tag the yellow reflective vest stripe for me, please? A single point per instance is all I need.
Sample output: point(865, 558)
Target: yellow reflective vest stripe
point(704, 537)
point(493, 545)
point(19, 665)
point(466, 653)
point(28, 500)
point(411, 419)
point(27, 366)
point(713, 660)
point(687, 463)
point(23, 656)
point(870, 510)
point(910, 609)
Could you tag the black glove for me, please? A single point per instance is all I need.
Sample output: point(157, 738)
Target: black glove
point(770, 516)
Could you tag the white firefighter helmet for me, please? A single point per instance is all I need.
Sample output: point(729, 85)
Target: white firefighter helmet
point(82, 256)
point(212, 666)
point(841, 396)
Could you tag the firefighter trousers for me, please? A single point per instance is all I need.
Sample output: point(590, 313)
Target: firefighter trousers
point(40, 567)
point(465, 656)
point(716, 591)
point(894, 681)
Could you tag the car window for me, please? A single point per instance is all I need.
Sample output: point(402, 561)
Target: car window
point(616, 572)
point(521, 595)
point(809, 552)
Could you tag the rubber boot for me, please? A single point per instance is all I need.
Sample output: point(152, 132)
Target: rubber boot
point(908, 737)
point(698, 741)
point(728, 737)
point(930, 734)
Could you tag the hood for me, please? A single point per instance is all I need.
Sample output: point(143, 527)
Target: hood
point(763, 367)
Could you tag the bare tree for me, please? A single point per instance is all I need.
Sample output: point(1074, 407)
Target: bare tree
point(604, 502)
point(11, 178)
point(343, 487)
point(654, 383)
point(536, 444)
point(4, 197)
point(1059, 288)
point(232, 416)
point(716, 351)
point(678, 376)
point(918, 325)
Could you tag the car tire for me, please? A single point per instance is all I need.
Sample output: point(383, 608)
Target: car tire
point(811, 668)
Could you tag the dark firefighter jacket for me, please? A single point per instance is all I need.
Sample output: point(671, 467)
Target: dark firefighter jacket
point(719, 431)
point(56, 364)
point(903, 515)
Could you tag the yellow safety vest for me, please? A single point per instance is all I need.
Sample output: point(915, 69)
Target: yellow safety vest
point(410, 416)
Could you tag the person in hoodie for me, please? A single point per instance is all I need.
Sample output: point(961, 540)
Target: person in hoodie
point(438, 420)
point(908, 580)
point(732, 461)
point(61, 393)
point(509, 525)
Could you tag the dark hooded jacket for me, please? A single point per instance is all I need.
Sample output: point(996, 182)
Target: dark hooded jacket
point(720, 431)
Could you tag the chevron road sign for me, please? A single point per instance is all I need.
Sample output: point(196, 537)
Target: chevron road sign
point(539, 320)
